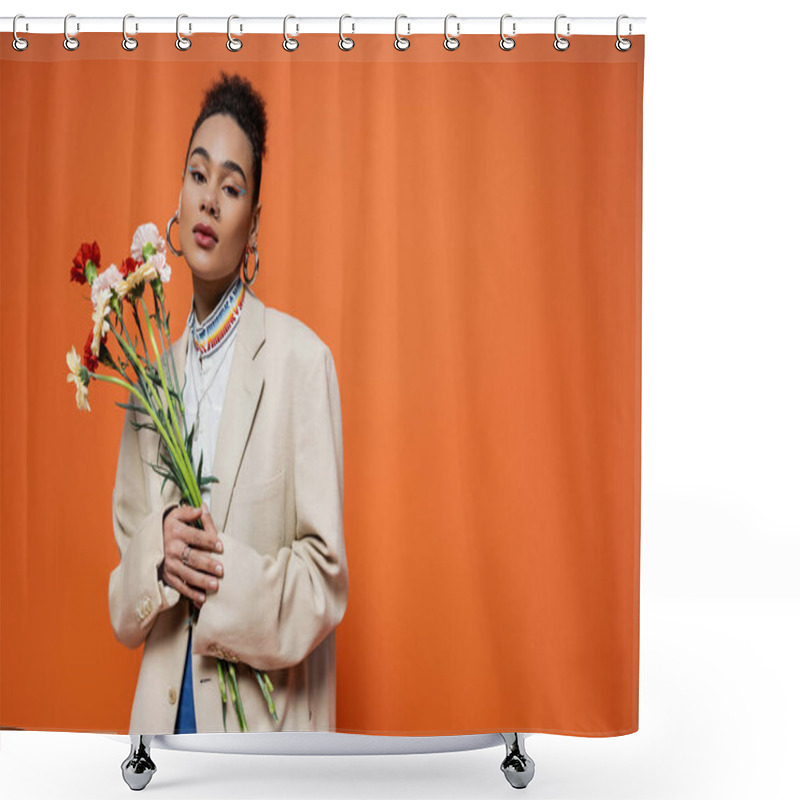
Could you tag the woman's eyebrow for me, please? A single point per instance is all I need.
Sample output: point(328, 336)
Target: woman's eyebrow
point(230, 165)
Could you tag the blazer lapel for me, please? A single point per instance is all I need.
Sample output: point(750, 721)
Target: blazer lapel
point(242, 393)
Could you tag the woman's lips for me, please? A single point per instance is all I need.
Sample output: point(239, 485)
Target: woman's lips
point(206, 242)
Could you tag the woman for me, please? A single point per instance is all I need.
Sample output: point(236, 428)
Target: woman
point(268, 571)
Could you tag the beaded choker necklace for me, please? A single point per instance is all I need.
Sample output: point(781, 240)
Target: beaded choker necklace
point(220, 322)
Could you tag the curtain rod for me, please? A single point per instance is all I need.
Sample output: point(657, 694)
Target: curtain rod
point(406, 26)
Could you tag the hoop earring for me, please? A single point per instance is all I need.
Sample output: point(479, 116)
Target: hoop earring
point(169, 243)
point(249, 281)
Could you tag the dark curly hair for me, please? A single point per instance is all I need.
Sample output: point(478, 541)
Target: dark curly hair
point(234, 95)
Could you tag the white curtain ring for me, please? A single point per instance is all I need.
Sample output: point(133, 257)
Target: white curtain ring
point(400, 42)
point(19, 43)
point(507, 42)
point(233, 44)
point(623, 45)
point(182, 43)
point(128, 42)
point(345, 42)
point(70, 42)
point(451, 42)
point(290, 43)
point(560, 42)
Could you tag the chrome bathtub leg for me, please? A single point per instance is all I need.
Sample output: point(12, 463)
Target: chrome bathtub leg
point(517, 766)
point(138, 767)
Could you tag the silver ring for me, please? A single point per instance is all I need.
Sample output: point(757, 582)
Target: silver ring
point(400, 42)
point(290, 43)
point(128, 42)
point(560, 42)
point(233, 44)
point(345, 42)
point(19, 43)
point(70, 42)
point(185, 554)
point(507, 42)
point(451, 42)
point(182, 43)
point(623, 45)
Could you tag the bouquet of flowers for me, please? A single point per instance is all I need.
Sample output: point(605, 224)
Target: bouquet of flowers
point(152, 382)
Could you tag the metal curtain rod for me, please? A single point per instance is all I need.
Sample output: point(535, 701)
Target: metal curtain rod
point(407, 26)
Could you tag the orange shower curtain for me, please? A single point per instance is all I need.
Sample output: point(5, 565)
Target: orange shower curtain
point(463, 229)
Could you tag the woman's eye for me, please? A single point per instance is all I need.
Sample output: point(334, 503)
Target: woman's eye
point(233, 191)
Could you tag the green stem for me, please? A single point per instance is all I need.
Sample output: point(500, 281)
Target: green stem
point(263, 681)
point(147, 357)
point(146, 382)
point(172, 354)
point(133, 358)
point(175, 445)
point(147, 407)
point(197, 499)
point(171, 371)
point(237, 699)
point(223, 692)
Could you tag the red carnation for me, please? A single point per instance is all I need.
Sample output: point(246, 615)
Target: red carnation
point(129, 265)
point(87, 252)
point(90, 360)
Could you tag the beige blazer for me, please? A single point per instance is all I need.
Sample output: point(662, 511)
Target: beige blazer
point(279, 509)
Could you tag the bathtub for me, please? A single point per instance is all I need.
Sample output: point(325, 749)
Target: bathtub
point(138, 767)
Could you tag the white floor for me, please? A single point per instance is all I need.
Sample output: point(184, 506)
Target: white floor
point(719, 702)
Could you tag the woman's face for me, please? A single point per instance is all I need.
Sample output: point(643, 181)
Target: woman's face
point(216, 194)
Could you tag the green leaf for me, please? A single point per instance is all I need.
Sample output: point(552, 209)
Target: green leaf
point(132, 407)
point(148, 425)
point(189, 441)
point(223, 684)
point(159, 469)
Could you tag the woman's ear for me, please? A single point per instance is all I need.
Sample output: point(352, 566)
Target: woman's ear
point(255, 221)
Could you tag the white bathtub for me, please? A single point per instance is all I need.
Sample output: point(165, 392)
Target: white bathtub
point(318, 743)
point(138, 767)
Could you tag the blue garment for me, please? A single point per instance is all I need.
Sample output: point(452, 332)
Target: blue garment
point(186, 720)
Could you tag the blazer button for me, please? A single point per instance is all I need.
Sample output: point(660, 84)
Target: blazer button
point(173, 695)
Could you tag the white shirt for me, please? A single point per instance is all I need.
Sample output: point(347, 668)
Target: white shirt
point(206, 380)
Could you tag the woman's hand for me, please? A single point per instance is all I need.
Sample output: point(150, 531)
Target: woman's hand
point(200, 575)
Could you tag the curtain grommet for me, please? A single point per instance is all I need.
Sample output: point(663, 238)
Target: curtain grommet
point(129, 42)
point(451, 42)
point(70, 42)
point(507, 42)
point(290, 43)
point(622, 44)
point(560, 42)
point(345, 42)
point(400, 42)
point(233, 44)
point(18, 43)
point(182, 42)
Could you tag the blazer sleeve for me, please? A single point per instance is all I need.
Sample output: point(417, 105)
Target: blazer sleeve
point(136, 594)
point(271, 611)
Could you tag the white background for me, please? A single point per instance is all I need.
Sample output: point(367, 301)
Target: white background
point(719, 672)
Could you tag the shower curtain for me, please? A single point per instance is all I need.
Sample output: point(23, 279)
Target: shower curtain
point(459, 233)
